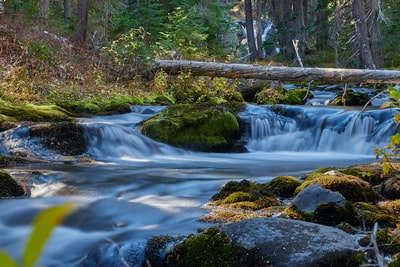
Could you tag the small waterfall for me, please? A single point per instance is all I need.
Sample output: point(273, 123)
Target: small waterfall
point(286, 128)
point(117, 137)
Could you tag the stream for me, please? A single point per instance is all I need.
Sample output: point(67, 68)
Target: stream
point(137, 188)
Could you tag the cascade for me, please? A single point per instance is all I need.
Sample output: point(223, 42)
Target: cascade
point(286, 128)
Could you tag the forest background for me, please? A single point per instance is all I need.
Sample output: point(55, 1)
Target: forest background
point(52, 50)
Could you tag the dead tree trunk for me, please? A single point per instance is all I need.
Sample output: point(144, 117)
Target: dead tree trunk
point(328, 75)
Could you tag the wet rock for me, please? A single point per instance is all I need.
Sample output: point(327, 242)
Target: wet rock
point(310, 197)
point(351, 99)
point(200, 127)
point(65, 138)
point(287, 243)
point(283, 186)
point(9, 187)
point(212, 248)
point(112, 254)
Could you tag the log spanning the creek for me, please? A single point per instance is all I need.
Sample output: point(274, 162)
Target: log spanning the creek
point(267, 72)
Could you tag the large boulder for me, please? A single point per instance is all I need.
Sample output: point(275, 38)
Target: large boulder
point(287, 243)
point(200, 127)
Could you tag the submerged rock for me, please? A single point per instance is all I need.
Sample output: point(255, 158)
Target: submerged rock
point(65, 138)
point(287, 243)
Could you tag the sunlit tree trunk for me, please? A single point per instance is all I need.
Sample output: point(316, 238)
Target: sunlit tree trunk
point(366, 60)
point(253, 54)
point(81, 22)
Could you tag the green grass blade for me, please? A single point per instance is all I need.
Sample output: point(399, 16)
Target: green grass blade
point(43, 225)
point(7, 261)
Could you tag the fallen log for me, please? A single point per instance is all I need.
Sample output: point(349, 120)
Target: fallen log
point(267, 72)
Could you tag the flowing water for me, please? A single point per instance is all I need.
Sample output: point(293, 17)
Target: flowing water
point(137, 188)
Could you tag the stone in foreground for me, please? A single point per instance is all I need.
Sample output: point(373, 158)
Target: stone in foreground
point(287, 243)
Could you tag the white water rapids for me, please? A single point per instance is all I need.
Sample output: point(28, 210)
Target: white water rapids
point(137, 188)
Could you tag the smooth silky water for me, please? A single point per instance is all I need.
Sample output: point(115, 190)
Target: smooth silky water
point(137, 188)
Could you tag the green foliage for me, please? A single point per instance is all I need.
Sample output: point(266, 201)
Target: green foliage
point(43, 225)
point(41, 51)
point(130, 51)
point(185, 36)
point(390, 153)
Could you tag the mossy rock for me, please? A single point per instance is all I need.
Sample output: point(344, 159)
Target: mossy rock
point(65, 137)
point(29, 112)
point(269, 96)
point(283, 186)
point(244, 186)
point(370, 214)
point(290, 97)
point(354, 189)
point(296, 96)
point(371, 173)
point(195, 127)
point(238, 197)
point(212, 248)
point(332, 214)
point(352, 99)
point(9, 187)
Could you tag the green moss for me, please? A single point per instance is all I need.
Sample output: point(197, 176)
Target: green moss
point(9, 187)
point(369, 214)
point(352, 99)
point(238, 197)
point(269, 96)
point(352, 188)
point(296, 96)
point(255, 190)
point(332, 214)
point(28, 112)
point(283, 186)
point(115, 105)
point(209, 249)
point(196, 127)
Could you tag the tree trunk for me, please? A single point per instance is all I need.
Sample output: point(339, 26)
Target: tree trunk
point(374, 31)
point(81, 22)
point(250, 71)
point(253, 55)
point(299, 26)
point(67, 11)
point(321, 23)
point(362, 35)
point(43, 15)
point(259, 29)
